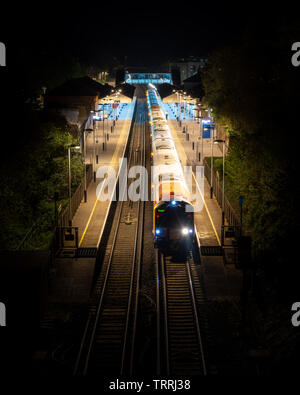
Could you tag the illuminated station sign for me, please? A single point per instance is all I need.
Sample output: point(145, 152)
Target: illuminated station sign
point(148, 78)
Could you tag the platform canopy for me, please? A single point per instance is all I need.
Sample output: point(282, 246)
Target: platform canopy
point(122, 93)
point(174, 94)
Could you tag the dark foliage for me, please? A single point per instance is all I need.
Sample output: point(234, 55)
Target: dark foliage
point(255, 91)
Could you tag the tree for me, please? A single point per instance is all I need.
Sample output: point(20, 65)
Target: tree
point(255, 93)
point(30, 178)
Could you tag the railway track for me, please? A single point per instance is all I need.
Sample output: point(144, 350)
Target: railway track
point(179, 345)
point(109, 338)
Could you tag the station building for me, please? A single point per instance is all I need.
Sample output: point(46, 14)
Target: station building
point(77, 98)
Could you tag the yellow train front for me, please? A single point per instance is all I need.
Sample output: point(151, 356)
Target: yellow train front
point(173, 226)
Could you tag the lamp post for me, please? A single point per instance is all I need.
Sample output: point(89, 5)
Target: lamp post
point(118, 94)
point(113, 106)
point(211, 163)
point(199, 157)
point(117, 107)
point(179, 117)
point(201, 132)
point(223, 186)
point(84, 153)
point(175, 91)
point(70, 186)
point(201, 137)
point(104, 140)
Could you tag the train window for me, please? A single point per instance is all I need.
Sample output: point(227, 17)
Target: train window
point(163, 147)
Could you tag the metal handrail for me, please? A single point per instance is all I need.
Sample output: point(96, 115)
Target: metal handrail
point(230, 213)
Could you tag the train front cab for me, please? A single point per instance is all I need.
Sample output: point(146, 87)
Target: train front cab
point(173, 226)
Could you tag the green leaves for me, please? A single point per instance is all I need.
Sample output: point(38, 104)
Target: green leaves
point(30, 180)
point(246, 85)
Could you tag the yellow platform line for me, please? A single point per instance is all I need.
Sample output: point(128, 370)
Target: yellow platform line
point(113, 160)
point(208, 213)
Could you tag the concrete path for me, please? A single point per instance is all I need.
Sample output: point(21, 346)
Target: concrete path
point(73, 276)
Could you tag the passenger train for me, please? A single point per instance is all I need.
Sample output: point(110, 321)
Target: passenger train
point(173, 216)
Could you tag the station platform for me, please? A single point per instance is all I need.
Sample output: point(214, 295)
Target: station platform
point(90, 216)
point(220, 281)
point(72, 276)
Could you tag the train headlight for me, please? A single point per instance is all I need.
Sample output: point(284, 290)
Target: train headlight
point(157, 231)
point(173, 202)
point(185, 231)
point(191, 231)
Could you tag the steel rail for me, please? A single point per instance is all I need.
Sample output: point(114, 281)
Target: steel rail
point(93, 318)
point(135, 269)
point(180, 317)
point(142, 204)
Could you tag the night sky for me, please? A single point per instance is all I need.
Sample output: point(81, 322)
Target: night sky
point(93, 34)
point(145, 38)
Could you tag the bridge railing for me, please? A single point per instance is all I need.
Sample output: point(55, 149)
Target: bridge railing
point(38, 234)
point(69, 211)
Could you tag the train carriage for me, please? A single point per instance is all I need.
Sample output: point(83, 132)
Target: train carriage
point(173, 217)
